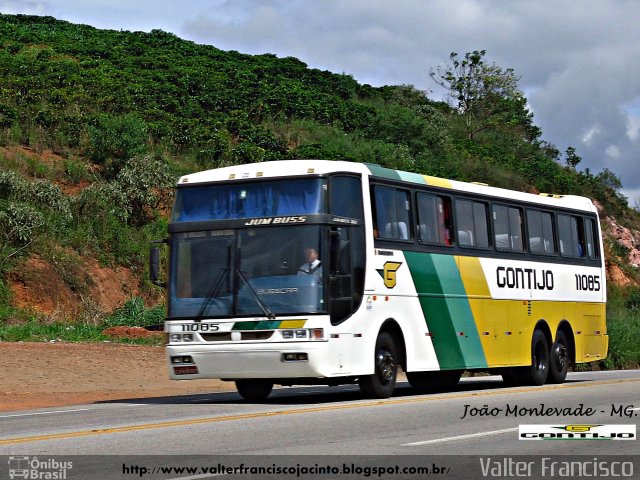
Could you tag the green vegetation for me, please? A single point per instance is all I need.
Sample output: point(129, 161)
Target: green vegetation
point(623, 324)
point(126, 113)
point(133, 313)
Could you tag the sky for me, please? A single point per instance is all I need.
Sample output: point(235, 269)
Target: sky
point(578, 61)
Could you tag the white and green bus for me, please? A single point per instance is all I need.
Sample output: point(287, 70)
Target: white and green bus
point(328, 272)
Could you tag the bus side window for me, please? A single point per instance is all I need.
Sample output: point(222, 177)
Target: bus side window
point(591, 238)
point(434, 219)
point(540, 227)
point(571, 235)
point(392, 213)
point(345, 197)
point(471, 221)
point(507, 228)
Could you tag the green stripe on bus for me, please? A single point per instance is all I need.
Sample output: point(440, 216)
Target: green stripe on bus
point(460, 311)
point(412, 177)
point(378, 171)
point(446, 310)
point(261, 325)
point(435, 310)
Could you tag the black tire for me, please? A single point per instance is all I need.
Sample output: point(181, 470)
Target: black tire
point(560, 359)
point(383, 381)
point(434, 381)
point(254, 390)
point(537, 372)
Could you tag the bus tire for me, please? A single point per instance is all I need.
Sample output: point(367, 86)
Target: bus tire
point(256, 390)
point(560, 359)
point(537, 372)
point(434, 381)
point(383, 381)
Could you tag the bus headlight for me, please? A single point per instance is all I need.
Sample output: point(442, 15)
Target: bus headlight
point(316, 334)
point(181, 337)
point(303, 334)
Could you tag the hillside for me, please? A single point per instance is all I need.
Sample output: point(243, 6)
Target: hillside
point(96, 126)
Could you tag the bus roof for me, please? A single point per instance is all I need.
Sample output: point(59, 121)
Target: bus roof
point(286, 168)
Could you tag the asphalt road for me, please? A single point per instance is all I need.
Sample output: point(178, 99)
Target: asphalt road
point(336, 421)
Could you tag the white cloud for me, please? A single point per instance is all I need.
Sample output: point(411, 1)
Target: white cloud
point(589, 135)
point(26, 7)
point(613, 151)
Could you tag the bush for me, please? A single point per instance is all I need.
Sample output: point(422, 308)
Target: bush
point(144, 182)
point(134, 313)
point(19, 226)
point(114, 140)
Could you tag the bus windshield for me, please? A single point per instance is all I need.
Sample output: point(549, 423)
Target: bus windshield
point(249, 200)
point(254, 271)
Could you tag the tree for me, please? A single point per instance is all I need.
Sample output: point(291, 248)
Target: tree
point(609, 179)
point(572, 158)
point(486, 95)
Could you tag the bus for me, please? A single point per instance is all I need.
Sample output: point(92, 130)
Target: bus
point(303, 272)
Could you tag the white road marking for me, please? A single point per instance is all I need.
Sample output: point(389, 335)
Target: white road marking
point(44, 413)
point(461, 437)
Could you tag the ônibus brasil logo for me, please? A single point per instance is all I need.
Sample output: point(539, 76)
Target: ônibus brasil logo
point(577, 432)
point(33, 467)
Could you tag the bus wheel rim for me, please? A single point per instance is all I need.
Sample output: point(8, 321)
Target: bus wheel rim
point(386, 365)
point(538, 359)
point(561, 357)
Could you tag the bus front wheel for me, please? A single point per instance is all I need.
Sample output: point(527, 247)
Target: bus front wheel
point(254, 390)
point(383, 381)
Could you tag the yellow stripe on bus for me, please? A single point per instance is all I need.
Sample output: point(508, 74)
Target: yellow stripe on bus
point(292, 323)
point(437, 181)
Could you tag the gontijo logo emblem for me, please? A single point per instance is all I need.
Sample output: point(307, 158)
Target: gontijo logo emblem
point(577, 432)
point(388, 273)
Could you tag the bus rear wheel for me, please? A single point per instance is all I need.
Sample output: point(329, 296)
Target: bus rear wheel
point(537, 372)
point(254, 390)
point(560, 359)
point(383, 381)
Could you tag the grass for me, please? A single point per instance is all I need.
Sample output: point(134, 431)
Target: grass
point(63, 332)
point(30, 328)
point(623, 326)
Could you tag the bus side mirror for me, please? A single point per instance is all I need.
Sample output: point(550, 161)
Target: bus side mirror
point(154, 263)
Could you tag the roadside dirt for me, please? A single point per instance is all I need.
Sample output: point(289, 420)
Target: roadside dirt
point(35, 375)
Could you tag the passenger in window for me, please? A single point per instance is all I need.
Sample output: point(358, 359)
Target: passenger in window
point(312, 266)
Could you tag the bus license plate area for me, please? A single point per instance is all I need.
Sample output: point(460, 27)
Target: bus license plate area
point(185, 370)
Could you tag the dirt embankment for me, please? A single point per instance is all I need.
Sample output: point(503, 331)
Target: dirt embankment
point(35, 375)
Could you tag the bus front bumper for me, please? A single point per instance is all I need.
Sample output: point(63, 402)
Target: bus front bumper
point(288, 360)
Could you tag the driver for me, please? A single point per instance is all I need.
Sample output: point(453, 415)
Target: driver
point(312, 266)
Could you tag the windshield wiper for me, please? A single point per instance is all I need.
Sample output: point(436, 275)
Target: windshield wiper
point(268, 313)
point(215, 289)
